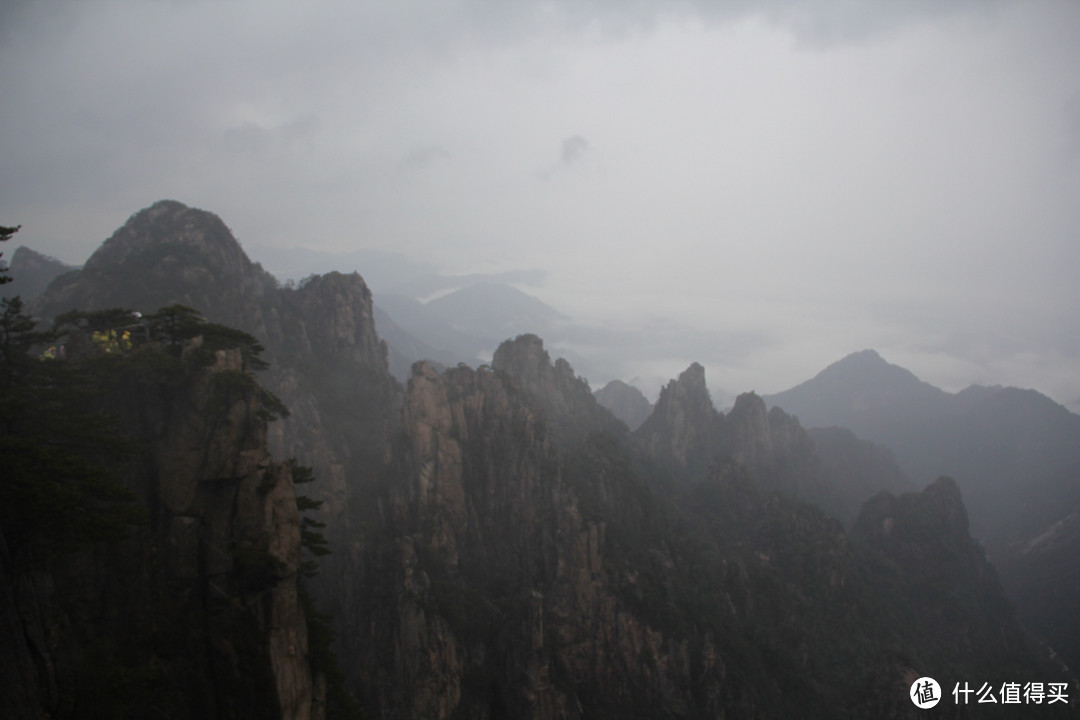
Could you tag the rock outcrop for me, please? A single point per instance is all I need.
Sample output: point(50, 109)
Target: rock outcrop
point(771, 444)
point(686, 435)
point(684, 428)
point(509, 579)
point(565, 399)
point(492, 589)
point(198, 613)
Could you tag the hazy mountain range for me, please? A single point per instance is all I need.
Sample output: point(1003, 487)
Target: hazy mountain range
point(503, 544)
point(1013, 452)
point(1015, 455)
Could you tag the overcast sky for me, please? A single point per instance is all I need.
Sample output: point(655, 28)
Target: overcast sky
point(763, 187)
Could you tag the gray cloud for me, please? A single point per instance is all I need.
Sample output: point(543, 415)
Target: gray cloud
point(422, 158)
point(573, 149)
point(783, 182)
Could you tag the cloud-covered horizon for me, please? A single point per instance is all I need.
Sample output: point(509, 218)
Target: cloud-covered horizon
point(767, 185)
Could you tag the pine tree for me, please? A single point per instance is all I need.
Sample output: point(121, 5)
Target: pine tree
point(58, 489)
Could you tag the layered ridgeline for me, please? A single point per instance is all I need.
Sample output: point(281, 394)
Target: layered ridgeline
point(518, 570)
point(1015, 455)
point(150, 547)
point(505, 547)
point(685, 436)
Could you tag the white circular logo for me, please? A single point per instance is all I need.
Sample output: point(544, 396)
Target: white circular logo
point(925, 693)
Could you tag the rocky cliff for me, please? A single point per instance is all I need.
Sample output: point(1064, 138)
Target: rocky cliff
point(684, 428)
point(197, 614)
point(491, 585)
point(507, 578)
point(945, 587)
point(565, 399)
point(686, 435)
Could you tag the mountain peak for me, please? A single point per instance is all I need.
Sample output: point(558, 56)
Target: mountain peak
point(868, 356)
point(689, 387)
point(907, 523)
point(164, 254)
point(565, 399)
point(854, 386)
point(494, 311)
point(749, 403)
point(866, 364)
point(169, 229)
point(523, 358)
point(693, 378)
point(684, 424)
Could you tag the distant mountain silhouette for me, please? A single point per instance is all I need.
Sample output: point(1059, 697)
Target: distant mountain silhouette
point(1015, 455)
point(428, 326)
point(502, 545)
point(494, 311)
point(467, 324)
point(625, 401)
point(31, 272)
point(862, 389)
point(405, 348)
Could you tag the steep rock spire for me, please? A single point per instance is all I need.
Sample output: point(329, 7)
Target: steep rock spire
point(567, 402)
point(684, 428)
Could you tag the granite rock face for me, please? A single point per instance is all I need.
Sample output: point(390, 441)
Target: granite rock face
point(688, 436)
point(565, 399)
point(198, 613)
point(684, 428)
point(492, 591)
point(509, 577)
